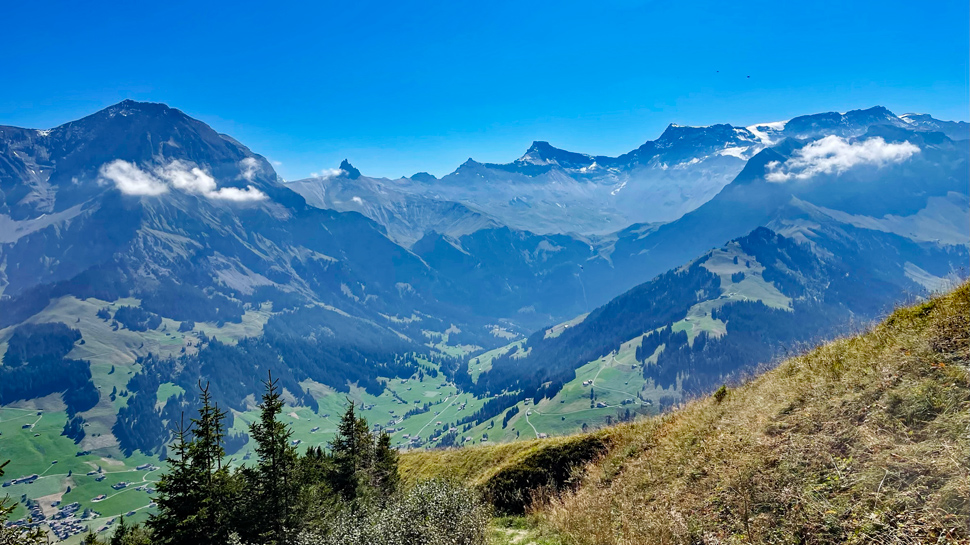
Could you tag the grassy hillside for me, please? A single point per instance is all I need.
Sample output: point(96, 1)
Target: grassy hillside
point(861, 440)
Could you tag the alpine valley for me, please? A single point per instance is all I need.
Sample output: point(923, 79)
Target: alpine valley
point(142, 254)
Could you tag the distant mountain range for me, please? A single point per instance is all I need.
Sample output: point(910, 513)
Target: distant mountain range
point(179, 254)
point(553, 191)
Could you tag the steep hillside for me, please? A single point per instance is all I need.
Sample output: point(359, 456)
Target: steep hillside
point(725, 312)
point(887, 179)
point(851, 177)
point(860, 440)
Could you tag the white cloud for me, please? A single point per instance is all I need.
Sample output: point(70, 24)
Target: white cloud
point(132, 180)
point(238, 195)
point(834, 154)
point(328, 173)
point(249, 167)
point(188, 178)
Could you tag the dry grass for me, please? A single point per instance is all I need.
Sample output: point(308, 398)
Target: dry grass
point(473, 465)
point(863, 440)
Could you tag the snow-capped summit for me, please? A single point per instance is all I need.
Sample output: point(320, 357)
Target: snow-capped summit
point(768, 133)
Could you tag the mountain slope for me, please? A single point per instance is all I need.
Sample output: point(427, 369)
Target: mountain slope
point(552, 191)
point(850, 178)
point(865, 169)
point(179, 255)
point(405, 216)
point(857, 440)
point(727, 311)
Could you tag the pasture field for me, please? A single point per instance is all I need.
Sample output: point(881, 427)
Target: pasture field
point(62, 473)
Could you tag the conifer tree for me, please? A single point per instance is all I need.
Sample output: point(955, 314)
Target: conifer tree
point(195, 498)
point(384, 475)
point(177, 496)
point(206, 453)
point(352, 449)
point(128, 535)
point(274, 480)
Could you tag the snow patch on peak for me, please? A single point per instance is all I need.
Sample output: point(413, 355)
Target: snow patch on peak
point(734, 152)
point(765, 132)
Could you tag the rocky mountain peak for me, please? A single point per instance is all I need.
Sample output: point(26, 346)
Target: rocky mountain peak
point(351, 171)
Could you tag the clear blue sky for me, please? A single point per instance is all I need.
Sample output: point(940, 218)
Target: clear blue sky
point(399, 87)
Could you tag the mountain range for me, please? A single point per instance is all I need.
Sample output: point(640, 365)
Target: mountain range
point(177, 254)
point(552, 191)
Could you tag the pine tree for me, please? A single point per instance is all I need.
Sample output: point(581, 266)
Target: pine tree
point(352, 449)
point(120, 532)
point(274, 480)
point(206, 453)
point(196, 496)
point(178, 496)
point(384, 475)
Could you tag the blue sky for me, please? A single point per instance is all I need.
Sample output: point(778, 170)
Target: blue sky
point(399, 87)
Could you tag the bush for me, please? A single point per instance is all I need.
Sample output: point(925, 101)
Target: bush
point(432, 513)
point(721, 393)
point(551, 469)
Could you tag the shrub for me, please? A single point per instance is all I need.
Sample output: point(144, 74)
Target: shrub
point(434, 512)
point(721, 393)
point(550, 469)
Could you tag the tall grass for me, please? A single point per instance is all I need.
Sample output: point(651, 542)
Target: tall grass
point(862, 440)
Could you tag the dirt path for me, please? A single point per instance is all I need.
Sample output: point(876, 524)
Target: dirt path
point(433, 418)
point(530, 423)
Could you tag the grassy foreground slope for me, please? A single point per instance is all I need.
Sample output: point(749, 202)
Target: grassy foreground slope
point(861, 440)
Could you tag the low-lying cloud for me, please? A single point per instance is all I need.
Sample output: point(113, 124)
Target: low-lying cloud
point(178, 175)
point(834, 154)
point(328, 173)
point(249, 167)
point(132, 180)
